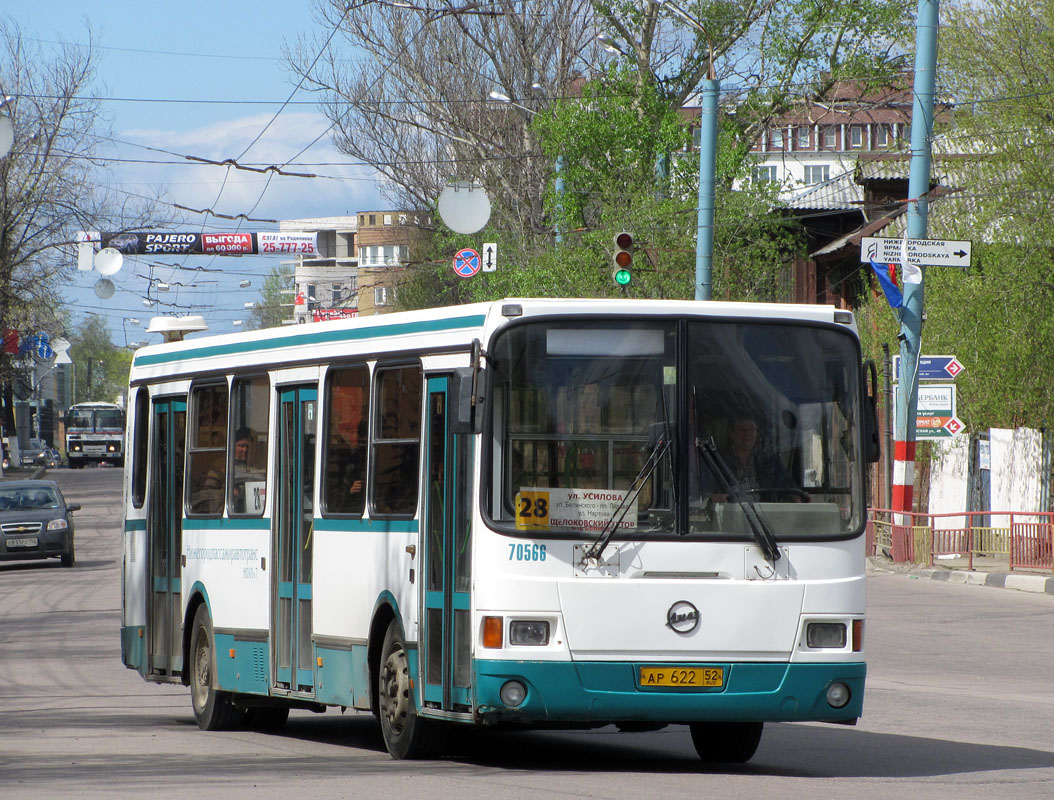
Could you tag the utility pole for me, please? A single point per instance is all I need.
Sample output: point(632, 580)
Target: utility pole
point(911, 312)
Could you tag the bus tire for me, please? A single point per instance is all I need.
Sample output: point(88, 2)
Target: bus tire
point(406, 735)
point(726, 742)
point(213, 709)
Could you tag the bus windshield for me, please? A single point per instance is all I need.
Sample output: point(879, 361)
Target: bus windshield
point(676, 428)
point(93, 419)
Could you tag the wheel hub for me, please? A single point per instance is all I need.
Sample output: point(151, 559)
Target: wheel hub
point(395, 689)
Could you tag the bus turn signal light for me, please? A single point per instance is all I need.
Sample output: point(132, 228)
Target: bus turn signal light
point(492, 632)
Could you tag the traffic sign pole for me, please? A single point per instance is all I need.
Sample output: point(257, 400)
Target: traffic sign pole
point(911, 311)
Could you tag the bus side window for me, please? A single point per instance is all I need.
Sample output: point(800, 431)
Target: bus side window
point(208, 449)
point(250, 406)
point(344, 460)
point(396, 441)
point(140, 442)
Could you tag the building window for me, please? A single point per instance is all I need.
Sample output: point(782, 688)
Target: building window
point(387, 219)
point(830, 137)
point(817, 173)
point(803, 138)
point(382, 296)
point(765, 174)
point(776, 139)
point(373, 219)
point(883, 135)
point(856, 135)
point(337, 289)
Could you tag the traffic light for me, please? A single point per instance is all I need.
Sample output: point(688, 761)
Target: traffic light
point(623, 258)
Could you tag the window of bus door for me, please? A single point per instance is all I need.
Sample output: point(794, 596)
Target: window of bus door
point(580, 411)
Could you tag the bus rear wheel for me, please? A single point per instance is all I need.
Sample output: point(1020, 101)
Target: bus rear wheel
point(213, 709)
point(406, 735)
point(726, 742)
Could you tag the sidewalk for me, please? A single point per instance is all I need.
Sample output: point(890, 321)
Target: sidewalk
point(985, 572)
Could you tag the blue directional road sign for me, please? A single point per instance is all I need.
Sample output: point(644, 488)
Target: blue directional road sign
point(467, 262)
point(934, 368)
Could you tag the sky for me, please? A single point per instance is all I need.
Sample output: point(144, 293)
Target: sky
point(201, 79)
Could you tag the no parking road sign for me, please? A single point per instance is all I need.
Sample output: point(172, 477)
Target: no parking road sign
point(467, 262)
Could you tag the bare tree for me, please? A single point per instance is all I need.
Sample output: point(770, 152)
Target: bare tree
point(48, 189)
point(411, 95)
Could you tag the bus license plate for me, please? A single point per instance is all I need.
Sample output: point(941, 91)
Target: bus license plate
point(23, 541)
point(693, 677)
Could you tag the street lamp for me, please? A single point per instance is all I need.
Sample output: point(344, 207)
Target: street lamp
point(124, 321)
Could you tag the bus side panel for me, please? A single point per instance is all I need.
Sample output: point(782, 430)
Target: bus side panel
point(355, 563)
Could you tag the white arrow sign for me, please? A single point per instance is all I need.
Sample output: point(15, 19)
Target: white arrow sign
point(490, 257)
point(924, 252)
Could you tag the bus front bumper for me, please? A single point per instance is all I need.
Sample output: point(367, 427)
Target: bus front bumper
point(604, 692)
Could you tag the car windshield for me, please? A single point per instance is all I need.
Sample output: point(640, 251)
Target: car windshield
point(661, 428)
point(24, 499)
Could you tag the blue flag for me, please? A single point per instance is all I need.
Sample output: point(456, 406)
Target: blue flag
point(893, 295)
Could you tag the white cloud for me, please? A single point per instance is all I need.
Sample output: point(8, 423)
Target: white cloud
point(340, 188)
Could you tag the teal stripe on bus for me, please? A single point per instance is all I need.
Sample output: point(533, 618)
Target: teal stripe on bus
point(367, 525)
point(316, 338)
point(135, 524)
point(227, 524)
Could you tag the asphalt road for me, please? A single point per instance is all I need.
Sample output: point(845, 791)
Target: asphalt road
point(959, 705)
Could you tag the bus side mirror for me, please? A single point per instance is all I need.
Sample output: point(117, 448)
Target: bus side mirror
point(872, 447)
point(466, 401)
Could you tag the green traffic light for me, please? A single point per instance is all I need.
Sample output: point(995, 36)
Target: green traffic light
point(622, 277)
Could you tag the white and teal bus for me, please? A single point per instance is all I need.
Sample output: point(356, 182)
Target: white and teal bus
point(518, 513)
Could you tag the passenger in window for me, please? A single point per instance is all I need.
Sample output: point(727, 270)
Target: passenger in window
point(248, 484)
point(346, 469)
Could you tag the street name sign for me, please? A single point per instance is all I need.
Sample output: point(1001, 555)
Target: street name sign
point(924, 252)
point(934, 368)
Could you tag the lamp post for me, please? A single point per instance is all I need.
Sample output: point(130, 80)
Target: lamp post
point(709, 91)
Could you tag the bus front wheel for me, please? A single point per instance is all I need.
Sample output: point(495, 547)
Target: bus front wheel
point(213, 709)
point(406, 735)
point(726, 742)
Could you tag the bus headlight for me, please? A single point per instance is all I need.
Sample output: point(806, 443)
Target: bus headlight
point(825, 634)
point(837, 695)
point(529, 632)
point(513, 693)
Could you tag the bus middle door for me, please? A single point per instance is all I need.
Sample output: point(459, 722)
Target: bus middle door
point(294, 520)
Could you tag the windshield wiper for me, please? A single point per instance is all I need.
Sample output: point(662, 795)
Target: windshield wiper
point(660, 449)
point(758, 526)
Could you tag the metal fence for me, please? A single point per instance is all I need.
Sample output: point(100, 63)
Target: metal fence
point(1024, 541)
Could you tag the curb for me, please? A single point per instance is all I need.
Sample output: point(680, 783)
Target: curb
point(1023, 583)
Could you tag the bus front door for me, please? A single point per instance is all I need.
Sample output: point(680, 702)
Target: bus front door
point(446, 638)
point(165, 535)
point(294, 517)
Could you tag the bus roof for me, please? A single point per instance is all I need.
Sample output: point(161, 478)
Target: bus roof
point(435, 328)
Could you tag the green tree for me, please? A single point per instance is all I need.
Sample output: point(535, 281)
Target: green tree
point(101, 367)
point(268, 312)
point(998, 65)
